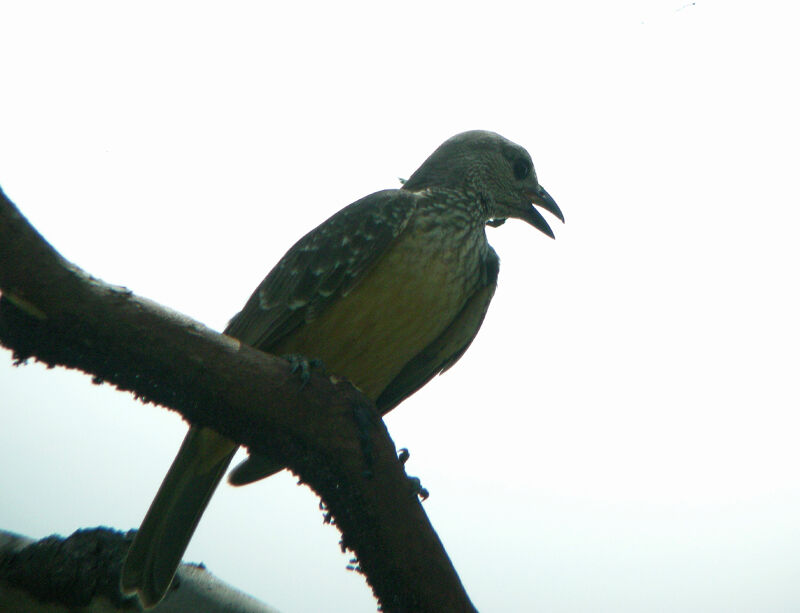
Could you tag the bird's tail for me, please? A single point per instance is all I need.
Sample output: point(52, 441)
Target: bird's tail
point(172, 518)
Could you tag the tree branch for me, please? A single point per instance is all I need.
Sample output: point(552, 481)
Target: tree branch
point(81, 572)
point(326, 432)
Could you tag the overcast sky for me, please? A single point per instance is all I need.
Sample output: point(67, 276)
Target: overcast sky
point(623, 434)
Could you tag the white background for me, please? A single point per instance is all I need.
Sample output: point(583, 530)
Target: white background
point(622, 436)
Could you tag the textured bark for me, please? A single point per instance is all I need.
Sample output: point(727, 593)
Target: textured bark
point(325, 431)
point(81, 573)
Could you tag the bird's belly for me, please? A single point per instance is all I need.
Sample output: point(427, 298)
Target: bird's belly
point(401, 306)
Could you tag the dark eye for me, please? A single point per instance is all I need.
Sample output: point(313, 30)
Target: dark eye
point(522, 168)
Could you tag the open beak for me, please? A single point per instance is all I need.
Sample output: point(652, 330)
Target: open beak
point(540, 197)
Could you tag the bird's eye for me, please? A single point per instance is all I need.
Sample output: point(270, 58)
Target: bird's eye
point(522, 169)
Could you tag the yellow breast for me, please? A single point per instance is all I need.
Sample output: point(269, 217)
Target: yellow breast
point(405, 301)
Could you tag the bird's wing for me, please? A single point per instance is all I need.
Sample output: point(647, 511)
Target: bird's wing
point(325, 264)
point(449, 346)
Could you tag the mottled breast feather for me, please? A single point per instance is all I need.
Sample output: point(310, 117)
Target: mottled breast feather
point(450, 345)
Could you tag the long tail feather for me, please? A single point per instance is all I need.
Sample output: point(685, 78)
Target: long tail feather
point(172, 518)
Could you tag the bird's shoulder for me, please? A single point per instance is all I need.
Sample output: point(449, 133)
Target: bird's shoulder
point(326, 263)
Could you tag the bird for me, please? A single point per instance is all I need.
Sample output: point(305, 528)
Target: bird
point(387, 293)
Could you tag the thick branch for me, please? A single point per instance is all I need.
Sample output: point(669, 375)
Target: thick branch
point(81, 572)
point(326, 432)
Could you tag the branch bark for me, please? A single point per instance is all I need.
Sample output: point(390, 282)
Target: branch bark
point(81, 572)
point(326, 432)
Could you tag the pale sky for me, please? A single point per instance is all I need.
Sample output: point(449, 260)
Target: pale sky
point(623, 434)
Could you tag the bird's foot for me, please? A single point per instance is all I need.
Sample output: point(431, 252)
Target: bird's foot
point(305, 366)
point(416, 484)
point(417, 489)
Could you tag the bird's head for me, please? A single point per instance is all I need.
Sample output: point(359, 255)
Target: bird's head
point(498, 172)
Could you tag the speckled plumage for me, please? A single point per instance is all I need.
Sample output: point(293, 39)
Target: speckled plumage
point(351, 291)
point(388, 292)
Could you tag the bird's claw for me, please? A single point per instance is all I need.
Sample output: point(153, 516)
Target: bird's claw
point(417, 489)
point(303, 365)
point(416, 484)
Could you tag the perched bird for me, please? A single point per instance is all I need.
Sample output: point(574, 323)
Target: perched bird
point(388, 292)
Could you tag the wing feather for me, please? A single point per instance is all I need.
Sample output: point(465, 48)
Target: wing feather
point(326, 263)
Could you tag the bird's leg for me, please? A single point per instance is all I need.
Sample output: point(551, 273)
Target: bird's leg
point(362, 417)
